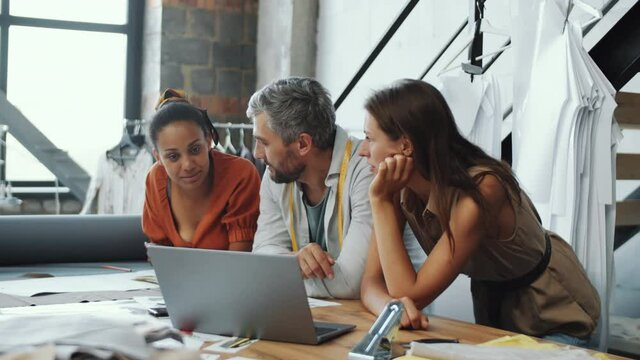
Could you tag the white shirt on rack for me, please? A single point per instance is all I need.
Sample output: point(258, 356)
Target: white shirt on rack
point(118, 189)
point(476, 108)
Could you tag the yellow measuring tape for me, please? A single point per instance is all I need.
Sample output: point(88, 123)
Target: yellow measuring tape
point(343, 175)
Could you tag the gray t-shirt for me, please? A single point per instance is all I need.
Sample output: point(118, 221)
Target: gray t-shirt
point(315, 215)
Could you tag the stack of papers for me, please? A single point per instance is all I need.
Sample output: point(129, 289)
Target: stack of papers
point(506, 347)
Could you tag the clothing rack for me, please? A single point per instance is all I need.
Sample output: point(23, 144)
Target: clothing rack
point(225, 144)
point(130, 122)
point(232, 126)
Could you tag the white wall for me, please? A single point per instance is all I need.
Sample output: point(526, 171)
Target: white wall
point(349, 30)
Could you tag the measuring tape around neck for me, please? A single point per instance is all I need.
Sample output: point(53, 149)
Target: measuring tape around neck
point(343, 175)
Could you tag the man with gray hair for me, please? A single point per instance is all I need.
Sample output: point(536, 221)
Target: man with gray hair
point(314, 203)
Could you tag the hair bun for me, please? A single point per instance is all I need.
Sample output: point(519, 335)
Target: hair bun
point(171, 95)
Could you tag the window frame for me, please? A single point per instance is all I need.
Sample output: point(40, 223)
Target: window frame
point(133, 30)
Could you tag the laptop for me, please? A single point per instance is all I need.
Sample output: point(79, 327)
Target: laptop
point(238, 294)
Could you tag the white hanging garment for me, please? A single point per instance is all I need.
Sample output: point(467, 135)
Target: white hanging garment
point(118, 189)
point(597, 249)
point(536, 122)
point(524, 24)
point(564, 138)
point(476, 108)
point(487, 129)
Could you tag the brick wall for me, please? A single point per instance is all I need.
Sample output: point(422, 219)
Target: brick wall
point(207, 48)
point(38, 204)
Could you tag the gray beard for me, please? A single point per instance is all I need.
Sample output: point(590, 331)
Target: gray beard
point(280, 177)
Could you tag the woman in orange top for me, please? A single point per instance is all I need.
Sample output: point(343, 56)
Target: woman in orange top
point(195, 196)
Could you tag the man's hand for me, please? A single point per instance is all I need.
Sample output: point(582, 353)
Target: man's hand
point(412, 317)
point(314, 262)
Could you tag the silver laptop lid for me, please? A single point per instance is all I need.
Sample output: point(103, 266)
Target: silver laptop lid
point(234, 293)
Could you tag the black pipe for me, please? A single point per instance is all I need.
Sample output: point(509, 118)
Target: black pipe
point(4, 45)
point(475, 49)
point(376, 51)
point(444, 49)
point(495, 57)
point(605, 9)
point(133, 91)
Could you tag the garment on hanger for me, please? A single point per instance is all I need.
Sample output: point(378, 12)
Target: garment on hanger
point(474, 29)
point(228, 144)
point(476, 108)
point(245, 152)
point(130, 143)
point(565, 136)
point(118, 189)
point(218, 144)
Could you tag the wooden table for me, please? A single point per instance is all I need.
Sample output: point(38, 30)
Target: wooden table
point(353, 312)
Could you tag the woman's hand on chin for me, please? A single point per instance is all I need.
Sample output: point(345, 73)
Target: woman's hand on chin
point(393, 175)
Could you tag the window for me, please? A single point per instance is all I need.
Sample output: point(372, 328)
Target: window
point(72, 68)
point(69, 84)
point(93, 11)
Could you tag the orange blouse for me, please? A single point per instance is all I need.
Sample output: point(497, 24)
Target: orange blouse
point(233, 212)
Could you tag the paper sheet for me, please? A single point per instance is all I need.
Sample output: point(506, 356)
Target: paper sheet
point(221, 346)
point(315, 303)
point(209, 356)
point(118, 282)
point(465, 351)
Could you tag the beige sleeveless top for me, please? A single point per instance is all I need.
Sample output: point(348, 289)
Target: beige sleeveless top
point(561, 300)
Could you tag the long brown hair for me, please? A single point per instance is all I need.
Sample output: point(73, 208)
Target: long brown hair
point(417, 110)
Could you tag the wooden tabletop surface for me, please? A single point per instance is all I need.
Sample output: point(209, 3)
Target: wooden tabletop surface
point(353, 312)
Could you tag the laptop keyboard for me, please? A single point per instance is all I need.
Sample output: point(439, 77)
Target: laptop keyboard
point(323, 330)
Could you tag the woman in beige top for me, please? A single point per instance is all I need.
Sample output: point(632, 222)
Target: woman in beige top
point(470, 216)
